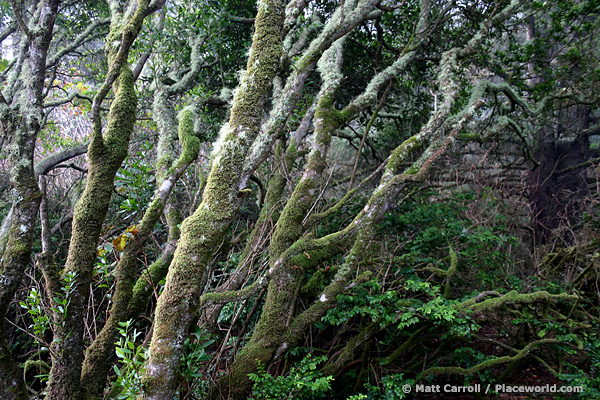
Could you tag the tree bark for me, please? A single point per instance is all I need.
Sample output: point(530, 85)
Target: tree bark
point(106, 152)
point(22, 123)
point(100, 355)
point(201, 232)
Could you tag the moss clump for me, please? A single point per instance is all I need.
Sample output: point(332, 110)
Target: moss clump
point(314, 283)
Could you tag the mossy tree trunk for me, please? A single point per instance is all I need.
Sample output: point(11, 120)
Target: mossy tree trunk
point(20, 123)
point(281, 295)
point(261, 233)
point(105, 156)
point(106, 152)
point(169, 168)
point(285, 102)
point(127, 300)
point(100, 355)
point(206, 228)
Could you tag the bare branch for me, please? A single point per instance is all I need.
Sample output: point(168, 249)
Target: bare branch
point(77, 42)
point(18, 12)
point(50, 162)
point(240, 20)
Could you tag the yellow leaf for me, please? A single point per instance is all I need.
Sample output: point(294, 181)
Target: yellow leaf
point(119, 242)
point(132, 229)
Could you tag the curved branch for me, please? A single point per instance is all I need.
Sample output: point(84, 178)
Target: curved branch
point(10, 29)
point(140, 65)
point(118, 59)
point(77, 42)
point(485, 364)
point(261, 187)
point(50, 162)
point(514, 297)
point(240, 20)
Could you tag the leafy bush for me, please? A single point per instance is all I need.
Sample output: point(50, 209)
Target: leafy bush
point(302, 382)
point(131, 358)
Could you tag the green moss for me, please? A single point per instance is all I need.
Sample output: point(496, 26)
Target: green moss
point(174, 219)
point(145, 285)
point(314, 283)
point(121, 118)
point(40, 366)
point(308, 61)
point(514, 297)
point(400, 154)
point(190, 144)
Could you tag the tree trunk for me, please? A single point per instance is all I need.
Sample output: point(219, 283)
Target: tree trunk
point(207, 227)
point(23, 125)
point(17, 257)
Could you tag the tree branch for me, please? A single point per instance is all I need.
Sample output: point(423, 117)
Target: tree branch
point(77, 42)
point(18, 13)
point(484, 365)
point(47, 164)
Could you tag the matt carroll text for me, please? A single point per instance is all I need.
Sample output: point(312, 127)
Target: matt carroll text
point(476, 388)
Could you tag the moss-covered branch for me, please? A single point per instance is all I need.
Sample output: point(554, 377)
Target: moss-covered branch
point(105, 157)
point(510, 368)
point(231, 296)
point(516, 298)
point(337, 27)
point(486, 364)
point(271, 328)
point(118, 43)
point(84, 37)
point(45, 165)
point(379, 81)
point(324, 303)
point(260, 236)
point(334, 208)
point(106, 152)
point(447, 275)
point(168, 172)
point(556, 261)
